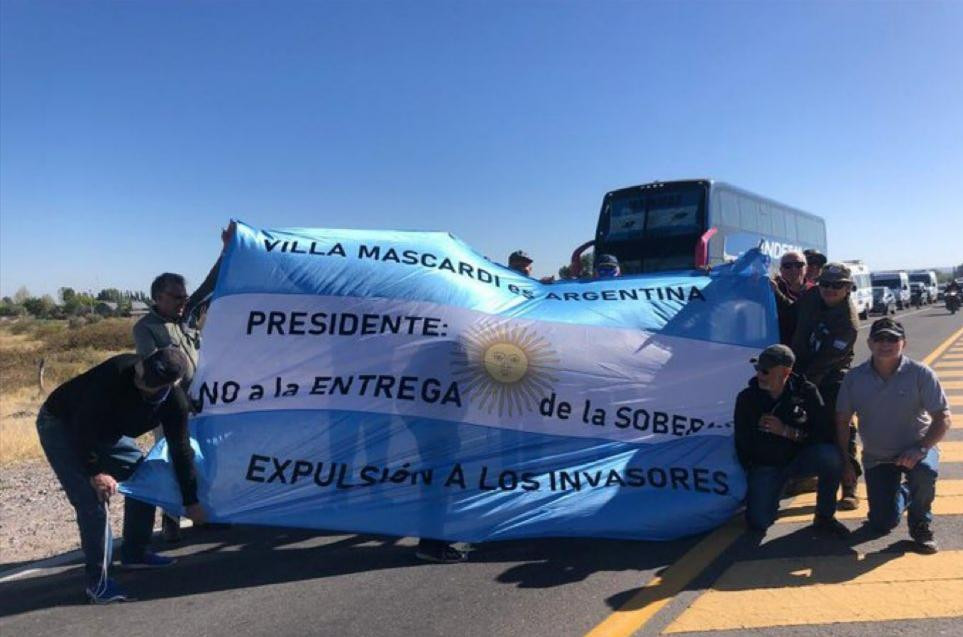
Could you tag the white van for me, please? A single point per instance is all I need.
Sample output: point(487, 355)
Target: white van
point(928, 279)
point(863, 292)
point(898, 282)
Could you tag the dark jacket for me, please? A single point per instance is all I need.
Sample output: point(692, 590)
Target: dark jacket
point(824, 337)
point(800, 406)
point(786, 309)
point(102, 405)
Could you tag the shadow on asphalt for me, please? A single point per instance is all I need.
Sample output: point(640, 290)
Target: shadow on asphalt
point(244, 557)
point(803, 545)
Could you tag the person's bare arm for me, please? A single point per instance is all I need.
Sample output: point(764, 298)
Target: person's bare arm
point(938, 428)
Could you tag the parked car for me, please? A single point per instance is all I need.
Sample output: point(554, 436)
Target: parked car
point(884, 301)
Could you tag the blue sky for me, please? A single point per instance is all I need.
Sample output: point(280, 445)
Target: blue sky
point(131, 131)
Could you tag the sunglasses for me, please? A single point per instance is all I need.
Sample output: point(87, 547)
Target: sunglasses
point(834, 285)
point(760, 370)
point(607, 269)
point(793, 265)
point(886, 338)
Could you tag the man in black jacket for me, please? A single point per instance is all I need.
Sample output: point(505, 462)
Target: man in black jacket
point(86, 428)
point(782, 431)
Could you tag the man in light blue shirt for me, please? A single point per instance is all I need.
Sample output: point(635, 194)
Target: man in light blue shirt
point(903, 414)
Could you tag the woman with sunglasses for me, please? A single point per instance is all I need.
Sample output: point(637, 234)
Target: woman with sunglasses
point(826, 329)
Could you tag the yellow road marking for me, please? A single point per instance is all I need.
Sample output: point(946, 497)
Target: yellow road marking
point(949, 501)
point(952, 384)
point(951, 451)
point(950, 373)
point(955, 401)
point(658, 592)
point(652, 597)
point(829, 589)
point(940, 365)
point(943, 347)
point(951, 356)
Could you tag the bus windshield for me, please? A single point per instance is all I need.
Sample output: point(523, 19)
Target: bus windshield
point(652, 228)
point(654, 213)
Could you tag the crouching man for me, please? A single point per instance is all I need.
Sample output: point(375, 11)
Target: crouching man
point(903, 413)
point(86, 428)
point(782, 431)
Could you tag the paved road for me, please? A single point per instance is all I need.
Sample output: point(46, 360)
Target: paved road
point(282, 582)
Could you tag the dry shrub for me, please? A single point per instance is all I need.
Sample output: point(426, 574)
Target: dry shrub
point(109, 334)
point(18, 431)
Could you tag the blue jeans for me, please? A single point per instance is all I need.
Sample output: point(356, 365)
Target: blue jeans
point(119, 460)
point(889, 495)
point(765, 483)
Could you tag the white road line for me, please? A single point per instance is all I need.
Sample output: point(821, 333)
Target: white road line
point(895, 316)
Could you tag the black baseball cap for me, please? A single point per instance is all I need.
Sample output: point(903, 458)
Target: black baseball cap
point(607, 259)
point(774, 356)
point(815, 257)
point(887, 326)
point(164, 366)
point(519, 255)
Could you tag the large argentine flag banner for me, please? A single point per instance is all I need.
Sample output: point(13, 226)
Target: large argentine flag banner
point(401, 383)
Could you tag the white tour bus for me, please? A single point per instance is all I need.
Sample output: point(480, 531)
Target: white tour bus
point(863, 294)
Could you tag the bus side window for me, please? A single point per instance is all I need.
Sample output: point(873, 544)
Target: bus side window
point(778, 220)
point(791, 225)
point(748, 215)
point(715, 217)
point(765, 220)
point(730, 209)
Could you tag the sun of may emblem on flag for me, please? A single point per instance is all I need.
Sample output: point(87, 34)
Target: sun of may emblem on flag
point(504, 367)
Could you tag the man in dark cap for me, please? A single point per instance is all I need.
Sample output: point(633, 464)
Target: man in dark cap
point(607, 267)
point(826, 328)
point(87, 428)
point(903, 413)
point(520, 262)
point(782, 432)
point(815, 262)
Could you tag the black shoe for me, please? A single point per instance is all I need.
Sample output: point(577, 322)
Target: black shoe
point(849, 501)
point(923, 537)
point(831, 526)
point(170, 528)
point(439, 552)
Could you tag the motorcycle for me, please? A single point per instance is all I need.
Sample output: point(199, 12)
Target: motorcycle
point(952, 301)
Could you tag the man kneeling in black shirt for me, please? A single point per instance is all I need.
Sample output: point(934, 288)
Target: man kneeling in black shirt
point(783, 432)
point(86, 428)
